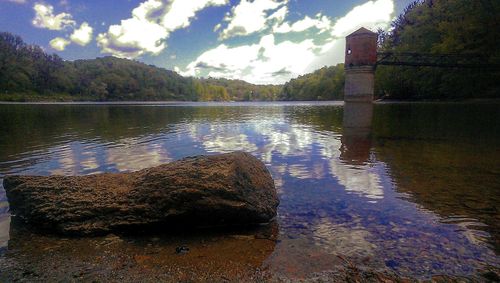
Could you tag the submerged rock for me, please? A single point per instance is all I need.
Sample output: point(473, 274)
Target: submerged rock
point(226, 189)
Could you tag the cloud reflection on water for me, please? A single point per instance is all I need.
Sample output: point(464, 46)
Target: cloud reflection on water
point(270, 141)
point(336, 193)
point(133, 156)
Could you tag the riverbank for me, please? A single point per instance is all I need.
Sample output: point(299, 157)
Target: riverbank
point(67, 99)
point(463, 100)
point(56, 97)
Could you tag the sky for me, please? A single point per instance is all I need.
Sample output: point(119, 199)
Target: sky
point(259, 41)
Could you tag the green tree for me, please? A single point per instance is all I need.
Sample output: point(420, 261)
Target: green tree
point(460, 27)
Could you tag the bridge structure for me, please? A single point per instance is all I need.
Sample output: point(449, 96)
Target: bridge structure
point(362, 58)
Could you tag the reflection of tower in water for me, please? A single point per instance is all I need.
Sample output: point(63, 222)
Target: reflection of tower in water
point(356, 138)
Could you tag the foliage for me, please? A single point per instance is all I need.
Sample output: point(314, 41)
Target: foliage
point(326, 83)
point(27, 73)
point(459, 27)
point(111, 78)
point(239, 90)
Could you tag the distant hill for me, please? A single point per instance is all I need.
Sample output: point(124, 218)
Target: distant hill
point(243, 91)
point(27, 73)
point(326, 83)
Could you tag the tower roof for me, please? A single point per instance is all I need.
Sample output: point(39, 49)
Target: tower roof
point(361, 31)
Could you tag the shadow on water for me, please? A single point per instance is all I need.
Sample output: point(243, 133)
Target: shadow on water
point(411, 188)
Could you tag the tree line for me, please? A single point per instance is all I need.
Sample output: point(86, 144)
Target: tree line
point(27, 73)
point(326, 83)
point(462, 28)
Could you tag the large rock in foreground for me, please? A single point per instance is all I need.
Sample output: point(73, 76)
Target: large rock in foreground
point(226, 189)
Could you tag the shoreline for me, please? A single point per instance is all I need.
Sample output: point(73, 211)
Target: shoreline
point(184, 102)
point(234, 255)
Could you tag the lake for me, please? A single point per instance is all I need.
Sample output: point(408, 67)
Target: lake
point(409, 188)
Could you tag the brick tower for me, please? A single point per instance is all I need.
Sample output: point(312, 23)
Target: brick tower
point(360, 61)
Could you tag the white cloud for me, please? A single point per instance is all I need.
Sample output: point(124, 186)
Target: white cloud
point(280, 14)
point(83, 35)
point(371, 15)
point(321, 22)
point(45, 18)
point(150, 25)
point(181, 12)
point(252, 16)
point(276, 62)
point(59, 43)
point(217, 27)
point(136, 35)
point(264, 62)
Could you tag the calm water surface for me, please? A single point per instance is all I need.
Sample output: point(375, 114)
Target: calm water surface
point(414, 188)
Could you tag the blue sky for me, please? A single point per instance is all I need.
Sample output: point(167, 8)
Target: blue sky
point(260, 41)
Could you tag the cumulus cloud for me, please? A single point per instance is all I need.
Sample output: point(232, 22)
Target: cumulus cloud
point(181, 12)
point(83, 35)
point(45, 18)
point(372, 15)
point(270, 61)
point(59, 43)
point(252, 16)
point(320, 22)
point(150, 26)
point(264, 62)
point(136, 35)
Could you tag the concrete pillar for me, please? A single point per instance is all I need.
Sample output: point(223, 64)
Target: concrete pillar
point(360, 61)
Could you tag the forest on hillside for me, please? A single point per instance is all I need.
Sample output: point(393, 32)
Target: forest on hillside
point(27, 73)
point(326, 83)
point(462, 28)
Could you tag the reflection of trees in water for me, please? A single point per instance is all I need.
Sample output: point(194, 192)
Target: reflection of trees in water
point(321, 118)
point(475, 122)
point(458, 181)
point(445, 158)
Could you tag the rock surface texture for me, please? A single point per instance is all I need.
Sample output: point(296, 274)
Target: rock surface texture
point(226, 189)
